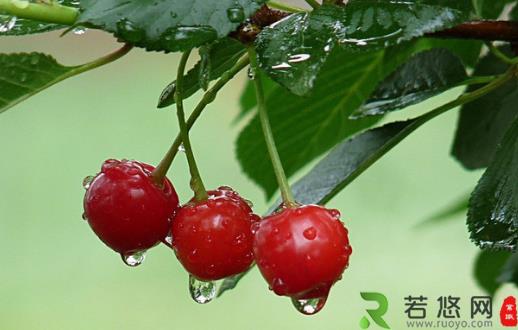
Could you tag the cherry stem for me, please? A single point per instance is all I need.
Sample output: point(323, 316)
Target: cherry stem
point(44, 12)
point(287, 195)
point(500, 54)
point(313, 3)
point(161, 170)
point(196, 182)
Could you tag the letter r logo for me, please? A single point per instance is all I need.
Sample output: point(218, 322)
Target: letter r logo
point(375, 314)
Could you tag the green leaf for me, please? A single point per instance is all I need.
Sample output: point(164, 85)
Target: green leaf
point(12, 26)
point(492, 9)
point(493, 207)
point(483, 122)
point(348, 160)
point(425, 75)
point(488, 268)
point(514, 13)
point(294, 50)
point(23, 75)
point(509, 272)
point(248, 101)
point(222, 56)
point(306, 127)
point(167, 25)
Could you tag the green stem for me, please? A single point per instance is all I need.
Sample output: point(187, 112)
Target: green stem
point(477, 80)
point(287, 195)
point(313, 3)
point(74, 71)
point(160, 171)
point(44, 12)
point(285, 7)
point(501, 55)
point(200, 193)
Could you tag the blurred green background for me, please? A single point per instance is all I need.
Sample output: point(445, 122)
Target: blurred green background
point(56, 274)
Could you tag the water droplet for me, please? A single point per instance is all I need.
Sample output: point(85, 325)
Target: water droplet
point(79, 31)
point(310, 233)
point(87, 181)
point(249, 203)
point(309, 306)
point(255, 227)
point(182, 36)
point(134, 259)
point(251, 73)
point(23, 77)
point(181, 148)
point(22, 4)
point(335, 213)
point(169, 238)
point(281, 66)
point(298, 58)
point(364, 323)
point(84, 216)
point(7, 23)
point(128, 31)
point(202, 292)
point(236, 14)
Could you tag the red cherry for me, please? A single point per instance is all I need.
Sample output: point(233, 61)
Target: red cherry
point(126, 209)
point(213, 238)
point(302, 252)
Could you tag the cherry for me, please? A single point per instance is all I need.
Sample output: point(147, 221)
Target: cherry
point(301, 252)
point(213, 238)
point(127, 210)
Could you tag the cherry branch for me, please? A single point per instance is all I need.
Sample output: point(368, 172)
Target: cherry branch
point(476, 30)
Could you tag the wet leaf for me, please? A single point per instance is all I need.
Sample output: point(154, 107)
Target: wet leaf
point(294, 50)
point(306, 127)
point(10, 26)
point(488, 268)
point(222, 56)
point(167, 25)
point(483, 122)
point(493, 207)
point(425, 75)
point(348, 160)
point(23, 75)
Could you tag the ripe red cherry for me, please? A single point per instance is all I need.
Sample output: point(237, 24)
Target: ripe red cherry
point(213, 238)
point(127, 210)
point(302, 252)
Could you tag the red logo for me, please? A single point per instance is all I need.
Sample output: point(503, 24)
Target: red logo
point(508, 315)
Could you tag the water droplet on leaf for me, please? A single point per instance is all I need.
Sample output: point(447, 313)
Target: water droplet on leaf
point(6, 24)
point(236, 14)
point(128, 31)
point(202, 292)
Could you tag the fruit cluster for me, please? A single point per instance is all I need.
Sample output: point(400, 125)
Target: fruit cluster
point(301, 250)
